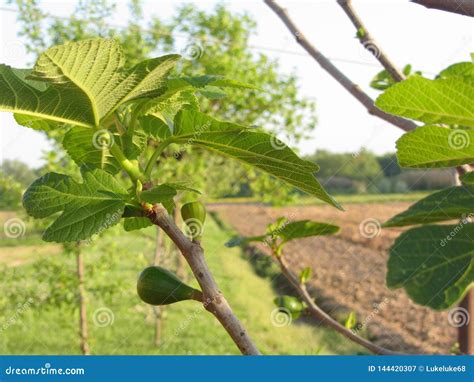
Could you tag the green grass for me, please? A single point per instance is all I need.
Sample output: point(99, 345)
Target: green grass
point(343, 199)
point(187, 328)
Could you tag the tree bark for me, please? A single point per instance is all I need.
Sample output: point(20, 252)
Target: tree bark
point(213, 299)
point(181, 266)
point(83, 330)
point(158, 310)
point(369, 42)
point(466, 332)
point(461, 7)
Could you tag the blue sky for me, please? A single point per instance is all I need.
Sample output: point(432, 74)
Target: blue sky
point(428, 39)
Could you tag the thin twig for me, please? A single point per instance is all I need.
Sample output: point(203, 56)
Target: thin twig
point(213, 299)
point(340, 77)
point(322, 316)
point(368, 42)
point(461, 7)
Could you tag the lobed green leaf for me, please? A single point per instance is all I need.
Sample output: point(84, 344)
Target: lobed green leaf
point(86, 147)
point(136, 223)
point(435, 146)
point(433, 263)
point(305, 228)
point(442, 101)
point(254, 148)
point(87, 208)
point(81, 83)
point(451, 203)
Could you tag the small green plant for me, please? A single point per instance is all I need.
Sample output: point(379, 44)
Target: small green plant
point(277, 235)
point(290, 305)
point(383, 79)
point(117, 123)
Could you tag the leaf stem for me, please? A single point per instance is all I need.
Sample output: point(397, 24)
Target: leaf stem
point(161, 146)
point(131, 169)
point(322, 316)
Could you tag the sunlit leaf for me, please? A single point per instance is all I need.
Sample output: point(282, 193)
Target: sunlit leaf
point(442, 101)
point(451, 203)
point(87, 208)
point(435, 146)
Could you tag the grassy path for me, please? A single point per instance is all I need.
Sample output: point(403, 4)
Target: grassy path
point(121, 324)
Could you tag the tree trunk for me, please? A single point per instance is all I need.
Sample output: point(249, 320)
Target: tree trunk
point(158, 310)
point(181, 266)
point(466, 306)
point(213, 299)
point(83, 332)
point(466, 332)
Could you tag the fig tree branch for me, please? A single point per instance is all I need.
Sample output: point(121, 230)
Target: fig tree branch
point(371, 45)
point(461, 7)
point(368, 42)
point(340, 77)
point(322, 316)
point(213, 299)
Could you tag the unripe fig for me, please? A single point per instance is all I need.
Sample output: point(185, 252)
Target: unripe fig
point(158, 286)
point(194, 215)
point(290, 305)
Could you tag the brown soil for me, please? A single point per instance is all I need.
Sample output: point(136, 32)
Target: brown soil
point(349, 272)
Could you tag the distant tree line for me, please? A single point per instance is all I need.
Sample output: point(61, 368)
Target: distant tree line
point(15, 176)
point(366, 172)
point(340, 173)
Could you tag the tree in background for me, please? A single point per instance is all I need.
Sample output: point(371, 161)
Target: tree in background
point(347, 172)
point(19, 171)
point(214, 43)
point(14, 177)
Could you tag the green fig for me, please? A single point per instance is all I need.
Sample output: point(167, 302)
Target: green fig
point(290, 305)
point(194, 215)
point(158, 286)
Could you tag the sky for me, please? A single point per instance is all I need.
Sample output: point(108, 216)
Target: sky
point(429, 40)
